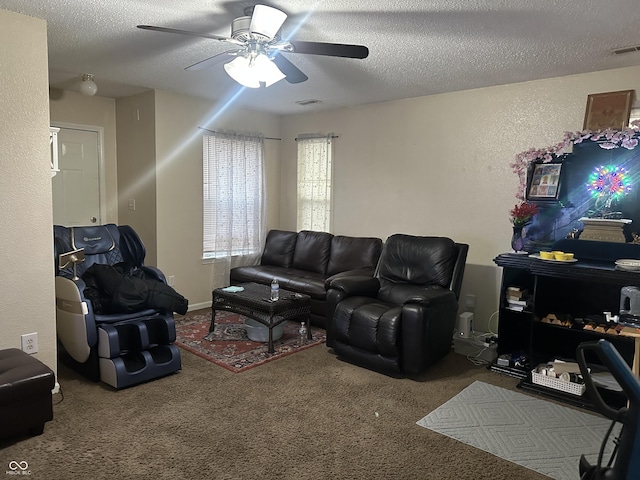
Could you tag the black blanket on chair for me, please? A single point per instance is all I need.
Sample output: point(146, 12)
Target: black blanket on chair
point(119, 289)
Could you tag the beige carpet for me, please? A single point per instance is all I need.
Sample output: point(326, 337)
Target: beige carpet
point(305, 416)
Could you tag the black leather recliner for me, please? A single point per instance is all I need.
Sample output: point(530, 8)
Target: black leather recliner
point(401, 320)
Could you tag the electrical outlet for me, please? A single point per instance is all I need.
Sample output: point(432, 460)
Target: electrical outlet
point(29, 342)
point(171, 280)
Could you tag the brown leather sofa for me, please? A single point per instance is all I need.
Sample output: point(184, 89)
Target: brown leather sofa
point(307, 261)
point(25, 394)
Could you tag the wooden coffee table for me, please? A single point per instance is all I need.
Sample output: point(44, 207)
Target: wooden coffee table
point(253, 301)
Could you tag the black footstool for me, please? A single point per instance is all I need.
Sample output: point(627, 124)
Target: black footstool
point(25, 394)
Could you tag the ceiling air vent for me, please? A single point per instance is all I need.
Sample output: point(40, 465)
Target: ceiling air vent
point(619, 51)
point(311, 101)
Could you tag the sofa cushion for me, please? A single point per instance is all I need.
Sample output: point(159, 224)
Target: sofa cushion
point(256, 274)
point(302, 281)
point(279, 248)
point(292, 279)
point(353, 253)
point(312, 251)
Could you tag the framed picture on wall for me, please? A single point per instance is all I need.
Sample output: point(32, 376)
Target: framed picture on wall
point(608, 110)
point(544, 183)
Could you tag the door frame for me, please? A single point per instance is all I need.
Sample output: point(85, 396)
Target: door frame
point(102, 200)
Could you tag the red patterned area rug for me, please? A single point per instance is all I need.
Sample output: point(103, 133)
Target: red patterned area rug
point(231, 348)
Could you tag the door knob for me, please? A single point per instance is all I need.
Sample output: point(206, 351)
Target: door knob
point(93, 219)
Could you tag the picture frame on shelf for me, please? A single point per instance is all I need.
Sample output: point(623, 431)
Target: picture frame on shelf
point(608, 110)
point(545, 182)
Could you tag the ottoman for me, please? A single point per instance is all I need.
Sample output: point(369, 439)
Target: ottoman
point(25, 394)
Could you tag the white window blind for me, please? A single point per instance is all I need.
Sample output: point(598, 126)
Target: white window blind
point(314, 183)
point(233, 194)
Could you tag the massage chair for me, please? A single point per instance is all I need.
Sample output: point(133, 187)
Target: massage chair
point(121, 349)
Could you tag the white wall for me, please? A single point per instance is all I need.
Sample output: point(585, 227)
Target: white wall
point(27, 299)
point(135, 118)
point(178, 150)
point(440, 165)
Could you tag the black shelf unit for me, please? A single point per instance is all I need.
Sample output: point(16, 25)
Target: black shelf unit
point(581, 291)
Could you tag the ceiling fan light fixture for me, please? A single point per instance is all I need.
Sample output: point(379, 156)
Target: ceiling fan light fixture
point(267, 71)
point(239, 70)
point(249, 71)
point(259, 48)
point(266, 21)
point(88, 87)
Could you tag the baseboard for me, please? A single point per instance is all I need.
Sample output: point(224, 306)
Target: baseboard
point(199, 306)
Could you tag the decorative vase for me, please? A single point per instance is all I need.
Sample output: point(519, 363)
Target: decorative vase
point(517, 242)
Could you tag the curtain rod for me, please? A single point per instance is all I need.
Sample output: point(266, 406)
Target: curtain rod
point(213, 131)
point(315, 135)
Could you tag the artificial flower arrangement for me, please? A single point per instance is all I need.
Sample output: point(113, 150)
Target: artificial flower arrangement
point(522, 213)
point(607, 139)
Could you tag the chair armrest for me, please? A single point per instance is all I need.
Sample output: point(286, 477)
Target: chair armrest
point(360, 272)
point(70, 296)
point(343, 287)
point(431, 296)
point(154, 273)
point(350, 286)
point(427, 329)
point(75, 322)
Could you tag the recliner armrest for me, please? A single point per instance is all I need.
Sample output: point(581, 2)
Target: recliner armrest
point(360, 272)
point(429, 297)
point(405, 293)
point(356, 285)
point(343, 287)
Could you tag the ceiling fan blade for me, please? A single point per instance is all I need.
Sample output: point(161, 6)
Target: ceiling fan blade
point(330, 49)
point(211, 61)
point(192, 34)
point(292, 73)
point(266, 21)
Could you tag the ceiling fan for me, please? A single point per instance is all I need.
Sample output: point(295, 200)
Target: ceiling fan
point(259, 48)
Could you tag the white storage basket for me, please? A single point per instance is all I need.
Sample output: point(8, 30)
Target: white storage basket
point(558, 384)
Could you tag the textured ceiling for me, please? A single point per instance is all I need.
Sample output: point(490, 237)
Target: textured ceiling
point(417, 47)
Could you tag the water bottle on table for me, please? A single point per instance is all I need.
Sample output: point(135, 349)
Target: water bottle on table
point(275, 290)
point(303, 334)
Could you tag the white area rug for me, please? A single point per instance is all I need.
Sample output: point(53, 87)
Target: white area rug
point(526, 430)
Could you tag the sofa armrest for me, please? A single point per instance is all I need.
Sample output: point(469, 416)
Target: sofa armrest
point(360, 272)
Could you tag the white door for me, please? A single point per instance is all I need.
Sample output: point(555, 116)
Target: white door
point(76, 187)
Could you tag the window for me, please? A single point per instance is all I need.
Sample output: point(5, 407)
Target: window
point(232, 194)
point(314, 183)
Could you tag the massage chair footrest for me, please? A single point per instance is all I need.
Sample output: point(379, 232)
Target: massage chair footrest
point(133, 336)
point(134, 368)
